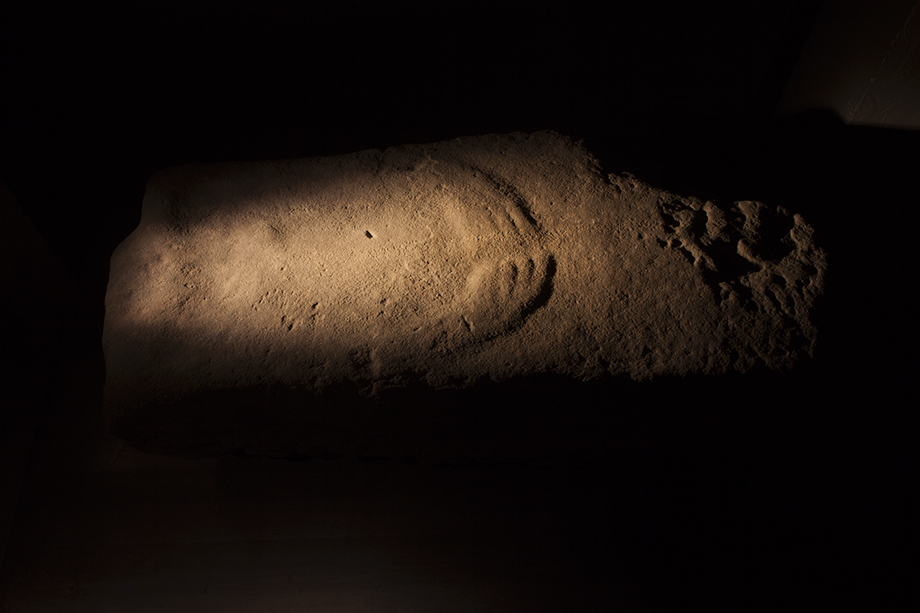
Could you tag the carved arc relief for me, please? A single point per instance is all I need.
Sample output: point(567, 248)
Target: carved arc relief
point(512, 273)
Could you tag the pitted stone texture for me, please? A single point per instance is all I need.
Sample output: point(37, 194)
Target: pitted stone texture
point(286, 290)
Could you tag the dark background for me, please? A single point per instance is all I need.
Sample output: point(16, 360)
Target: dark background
point(763, 492)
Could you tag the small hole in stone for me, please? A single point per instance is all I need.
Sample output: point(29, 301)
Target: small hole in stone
point(368, 234)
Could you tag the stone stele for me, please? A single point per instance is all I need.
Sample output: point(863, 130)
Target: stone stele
point(258, 304)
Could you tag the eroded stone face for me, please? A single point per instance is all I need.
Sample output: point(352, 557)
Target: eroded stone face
point(438, 266)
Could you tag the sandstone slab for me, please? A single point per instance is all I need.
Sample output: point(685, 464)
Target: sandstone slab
point(276, 306)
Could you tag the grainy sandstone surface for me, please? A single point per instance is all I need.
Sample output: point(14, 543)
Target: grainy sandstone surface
point(258, 303)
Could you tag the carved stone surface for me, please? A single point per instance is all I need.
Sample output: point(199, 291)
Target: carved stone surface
point(266, 297)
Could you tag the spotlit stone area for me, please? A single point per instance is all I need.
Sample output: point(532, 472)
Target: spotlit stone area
point(282, 307)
